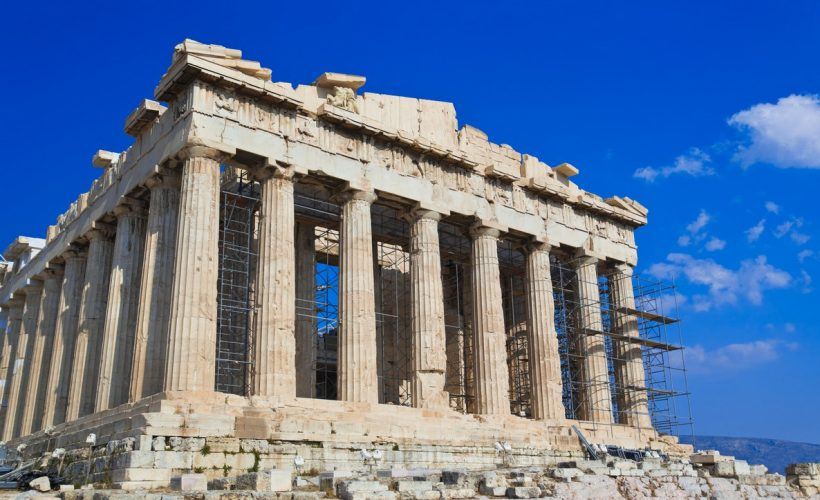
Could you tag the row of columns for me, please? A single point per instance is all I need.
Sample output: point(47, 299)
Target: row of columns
point(135, 312)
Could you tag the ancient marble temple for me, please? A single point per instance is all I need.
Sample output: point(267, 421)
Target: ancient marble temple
point(317, 270)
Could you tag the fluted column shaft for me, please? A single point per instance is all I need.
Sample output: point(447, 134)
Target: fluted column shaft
point(65, 333)
point(19, 379)
point(596, 398)
point(357, 366)
point(41, 352)
point(275, 344)
point(121, 312)
point(490, 348)
point(190, 363)
point(306, 306)
point(86, 364)
point(544, 360)
point(9, 360)
point(629, 369)
point(151, 337)
point(427, 312)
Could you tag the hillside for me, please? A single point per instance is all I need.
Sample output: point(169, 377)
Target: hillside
point(773, 453)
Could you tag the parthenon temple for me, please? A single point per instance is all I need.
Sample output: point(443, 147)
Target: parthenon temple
point(325, 270)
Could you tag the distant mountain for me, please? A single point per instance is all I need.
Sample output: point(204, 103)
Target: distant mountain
point(772, 453)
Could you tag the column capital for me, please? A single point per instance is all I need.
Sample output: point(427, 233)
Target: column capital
point(33, 286)
point(585, 256)
point(199, 151)
point(622, 268)
point(483, 228)
point(130, 206)
point(52, 271)
point(100, 231)
point(353, 194)
point(75, 251)
point(164, 178)
point(272, 171)
point(418, 213)
point(538, 244)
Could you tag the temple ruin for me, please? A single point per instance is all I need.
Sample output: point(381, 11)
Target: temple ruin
point(321, 270)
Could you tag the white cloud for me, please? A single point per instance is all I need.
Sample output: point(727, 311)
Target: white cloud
point(786, 134)
point(694, 229)
point(790, 227)
point(694, 163)
point(715, 244)
point(725, 286)
point(783, 229)
point(789, 328)
point(696, 225)
point(805, 280)
point(799, 238)
point(735, 357)
point(802, 255)
point(772, 207)
point(754, 232)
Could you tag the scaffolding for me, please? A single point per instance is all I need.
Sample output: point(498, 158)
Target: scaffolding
point(585, 329)
point(659, 339)
point(238, 201)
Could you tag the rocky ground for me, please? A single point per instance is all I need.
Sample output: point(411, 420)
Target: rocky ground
point(704, 475)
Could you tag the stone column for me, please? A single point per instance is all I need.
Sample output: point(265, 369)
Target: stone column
point(306, 336)
point(86, 363)
point(191, 359)
point(274, 355)
point(357, 365)
point(65, 333)
point(151, 337)
point(41, 352)
point(595, 396)
point(629, 370)
point(427, 312)
point(490, 351)
point(22, 357)
point(10, 340)
point(544, 360)
point(121, 313)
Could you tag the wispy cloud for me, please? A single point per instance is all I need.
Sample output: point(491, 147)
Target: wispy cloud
point(785, 134)
point(802, 255)
point(694, 229)
point(753, 233)
point(805, 282)
point(790, 227)
point(735, 357)
point(695, 163)
point(714, 244)
point(772, 207)
point(725, 286)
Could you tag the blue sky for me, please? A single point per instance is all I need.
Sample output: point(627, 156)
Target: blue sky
point(706, 112)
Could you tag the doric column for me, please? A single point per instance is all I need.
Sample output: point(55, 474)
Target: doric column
point(86, 364)
point(595, 396)
point(191, 359)
point(274, 355)
point(357, 365)
point(65, 333)
point(544, 361)
point(629, 371)
point(121, 313)
point(427, 312)
point(19, 380)
point(41, 352)
point(490, 350)
point(9, 360)
point(151, 337)
point(306, 336)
